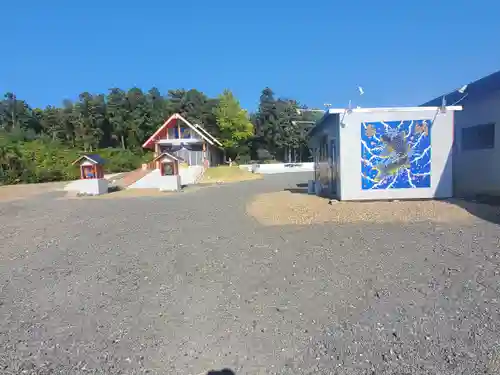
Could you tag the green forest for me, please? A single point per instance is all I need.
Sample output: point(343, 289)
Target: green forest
point(39, 145)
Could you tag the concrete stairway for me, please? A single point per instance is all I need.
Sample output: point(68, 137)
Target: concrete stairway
point(130, 178)
point(191, 175)
point(152, 180)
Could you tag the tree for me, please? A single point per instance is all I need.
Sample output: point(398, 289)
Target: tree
point(290, 131)
point(68, 119)
point(39, 144)
point(11, 162)
point(52, 122)
point(195, 107)
point(89, 115)
point(11, 109)
point(17, 116)
point(138, 121)
point(118, 113)
point(157, 108)
point(268, 135)
point(234, 124)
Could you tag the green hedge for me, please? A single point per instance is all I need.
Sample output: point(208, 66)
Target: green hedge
point(40, 161)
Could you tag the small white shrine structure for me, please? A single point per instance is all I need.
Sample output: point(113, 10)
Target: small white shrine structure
point(92, 181)
point(169, 179)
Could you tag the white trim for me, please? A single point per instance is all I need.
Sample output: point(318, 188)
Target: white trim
point(179, 117)
point(208, 134)
point(87, 158)
point(168, 155)
point(159, 130)
point(332, 111)
point(194, 128)
point(178, 141)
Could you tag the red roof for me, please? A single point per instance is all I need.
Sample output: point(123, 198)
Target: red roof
point(170, 156)
point(161, 133)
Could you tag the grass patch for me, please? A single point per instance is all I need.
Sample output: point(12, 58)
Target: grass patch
point(228, 174)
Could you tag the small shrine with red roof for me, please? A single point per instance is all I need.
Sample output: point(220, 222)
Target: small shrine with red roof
point(92, 181)
point(168, 165)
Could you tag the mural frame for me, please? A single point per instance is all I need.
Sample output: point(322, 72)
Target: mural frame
point(396, 154)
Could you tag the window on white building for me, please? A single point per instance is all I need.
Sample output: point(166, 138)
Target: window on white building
point(478, 137)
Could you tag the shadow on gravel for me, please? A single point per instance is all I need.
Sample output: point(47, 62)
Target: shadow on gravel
point(484, 207)
point(221, 372)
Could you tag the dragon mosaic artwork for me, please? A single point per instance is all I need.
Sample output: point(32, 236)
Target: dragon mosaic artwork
point(396, 154)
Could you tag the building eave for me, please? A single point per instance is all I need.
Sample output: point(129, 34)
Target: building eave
point(475, 91)
point(150, 142)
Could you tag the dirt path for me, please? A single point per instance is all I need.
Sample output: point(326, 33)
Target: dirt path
point(22, 191)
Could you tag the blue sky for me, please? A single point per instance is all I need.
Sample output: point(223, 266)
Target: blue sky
point(318, 51)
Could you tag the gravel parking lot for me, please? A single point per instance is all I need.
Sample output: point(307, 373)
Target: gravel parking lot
point(192, 282)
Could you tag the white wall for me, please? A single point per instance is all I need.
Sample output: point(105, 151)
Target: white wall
point(91, 186)
point(150, 181)
point(246, 167)
point(191, 174)
point(75, 185)
point(477, 171)
point(170, 183)
point(441, 155)
point(154, 180)
point(275, 168)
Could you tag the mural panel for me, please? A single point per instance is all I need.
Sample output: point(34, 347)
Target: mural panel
point(396, 154)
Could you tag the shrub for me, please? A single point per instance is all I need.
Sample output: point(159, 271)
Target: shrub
point(244, 159)
point(119, 160)
point(45, 161)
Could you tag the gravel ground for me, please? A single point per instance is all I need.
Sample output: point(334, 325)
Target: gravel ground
point(187, 283)
point(283, 208)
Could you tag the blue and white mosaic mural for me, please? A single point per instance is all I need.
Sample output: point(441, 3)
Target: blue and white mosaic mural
point(396, 154)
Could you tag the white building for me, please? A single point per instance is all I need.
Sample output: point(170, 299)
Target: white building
point(384, 153)
point(476, 159)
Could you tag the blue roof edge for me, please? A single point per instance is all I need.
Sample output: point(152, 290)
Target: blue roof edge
point(475, 90)
point(320, 125)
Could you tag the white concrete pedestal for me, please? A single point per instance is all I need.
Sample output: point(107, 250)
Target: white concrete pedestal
point(170, 183)
point(91, 186)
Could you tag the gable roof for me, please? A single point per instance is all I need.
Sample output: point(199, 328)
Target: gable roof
point(319, 125)
point(93, 158)
point(203, 134)
point(208, 134)
point(168, 154)
point(475, 91)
